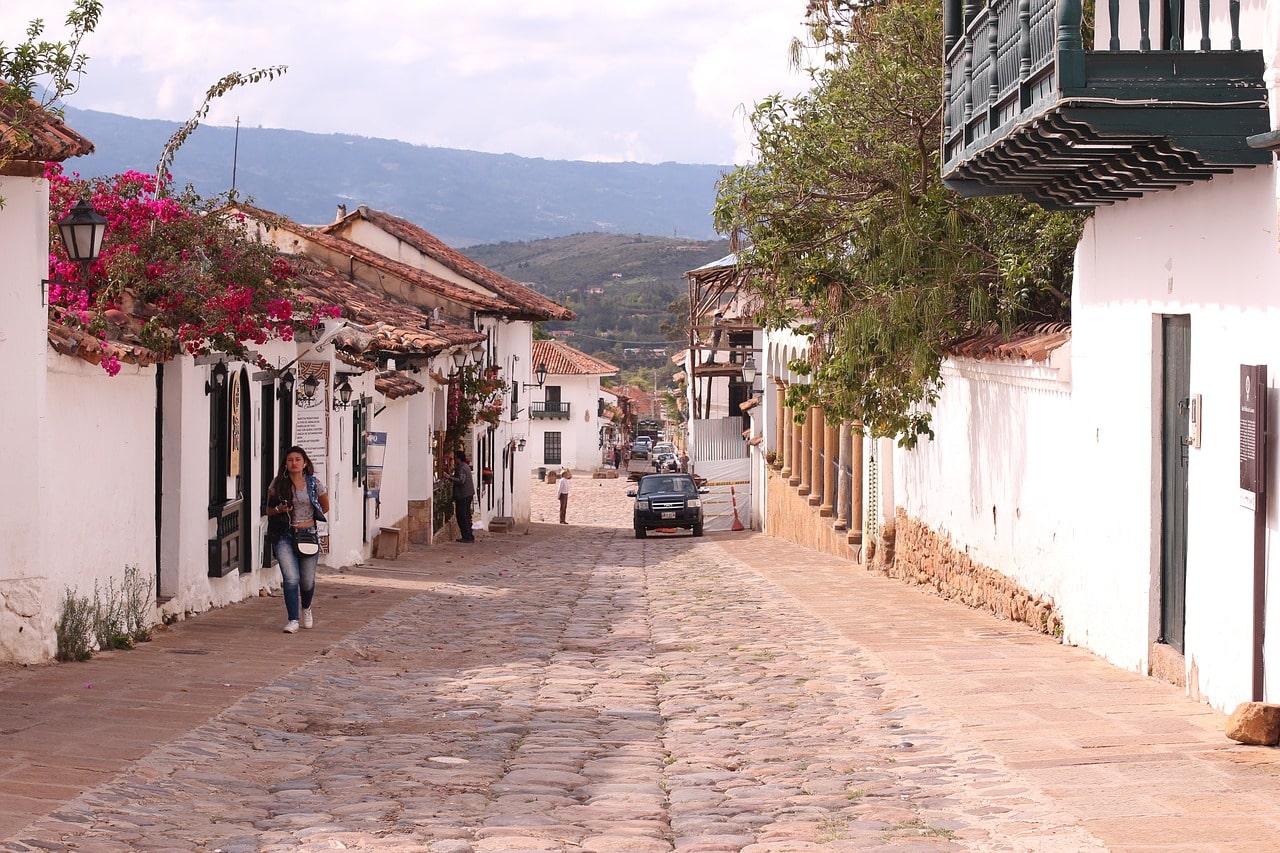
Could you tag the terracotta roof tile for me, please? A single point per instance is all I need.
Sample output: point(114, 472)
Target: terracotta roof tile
point(563, 360)
point(44, 137)
point(347, 249)
point(382, 323)
point(394, 385)
point(1028, 342)
point(82, 345)
point(531, 304)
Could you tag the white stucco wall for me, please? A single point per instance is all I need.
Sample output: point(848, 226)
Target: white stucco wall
point(372, 237)
point(392, 417)
point(97, 470)
point(514, 341)
point(24, 261)
point(580, 432)
point(995, 477)
point(1210, 251)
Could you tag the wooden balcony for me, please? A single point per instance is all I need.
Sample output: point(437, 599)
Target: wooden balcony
point(1030, 110)
point(549, 409)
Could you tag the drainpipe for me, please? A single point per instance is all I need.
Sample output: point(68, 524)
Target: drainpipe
point(159, 467)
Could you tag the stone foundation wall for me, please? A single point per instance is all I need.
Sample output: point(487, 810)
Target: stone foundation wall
point(927, 558)
point(417, 524)
point(789, 516)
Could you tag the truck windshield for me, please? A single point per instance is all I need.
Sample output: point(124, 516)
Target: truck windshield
point(668, 485)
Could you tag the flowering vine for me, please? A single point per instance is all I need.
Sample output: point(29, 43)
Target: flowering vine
point(176, 273)
point(475, 394)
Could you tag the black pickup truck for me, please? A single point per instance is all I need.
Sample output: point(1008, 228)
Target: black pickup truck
point(667, 500)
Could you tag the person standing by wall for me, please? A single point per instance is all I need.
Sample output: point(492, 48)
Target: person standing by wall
point(563, 492)
point(296, 500)
point(464, 490)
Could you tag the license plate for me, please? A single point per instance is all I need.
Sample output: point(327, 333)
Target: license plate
point(668, 515)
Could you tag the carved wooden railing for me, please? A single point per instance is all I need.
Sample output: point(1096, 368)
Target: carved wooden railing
point(1002, 56)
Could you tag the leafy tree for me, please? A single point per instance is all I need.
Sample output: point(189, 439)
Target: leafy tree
point(853, 237)
point(53, 67)
point(36, 74)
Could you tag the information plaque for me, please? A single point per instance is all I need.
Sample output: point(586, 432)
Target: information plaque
point(1253, 398)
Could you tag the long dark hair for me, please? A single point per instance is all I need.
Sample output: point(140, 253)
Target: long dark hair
point(282, 486)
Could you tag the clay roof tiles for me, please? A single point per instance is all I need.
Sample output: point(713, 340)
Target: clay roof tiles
point(528, 303)
point(30, 136)
point(563, 360)
point(1028, 342)
point(80, 344)
point(382, 323)
point(394, 384)
point(355, 252)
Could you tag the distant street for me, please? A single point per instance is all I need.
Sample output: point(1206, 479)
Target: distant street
point(578, 689)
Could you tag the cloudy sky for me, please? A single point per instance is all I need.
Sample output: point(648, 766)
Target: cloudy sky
point(609, 80)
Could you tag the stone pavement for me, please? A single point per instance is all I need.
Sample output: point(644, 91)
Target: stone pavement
point(573, 688)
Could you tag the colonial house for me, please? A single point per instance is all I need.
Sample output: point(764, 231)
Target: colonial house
point(612, 419)
point(720, 374)
point(394, 257)
point(510, 330)
point(1105, 482)
point(567, 428)
point(157, 475)
point(1153, 425)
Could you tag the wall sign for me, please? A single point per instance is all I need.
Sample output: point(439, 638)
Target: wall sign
point(1253, 427)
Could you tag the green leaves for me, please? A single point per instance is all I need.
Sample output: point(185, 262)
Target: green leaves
point(52, 66)
point(217, 90)
point(846, 221)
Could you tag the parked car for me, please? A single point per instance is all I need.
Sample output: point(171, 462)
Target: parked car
point(640, 447)
point(667, 500)
point(665, 461)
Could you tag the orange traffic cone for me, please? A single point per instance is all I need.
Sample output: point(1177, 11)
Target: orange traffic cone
point(737, 522)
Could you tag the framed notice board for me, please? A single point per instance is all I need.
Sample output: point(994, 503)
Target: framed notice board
point(1253, 427)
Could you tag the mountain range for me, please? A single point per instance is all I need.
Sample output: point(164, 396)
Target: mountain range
point(463, 197)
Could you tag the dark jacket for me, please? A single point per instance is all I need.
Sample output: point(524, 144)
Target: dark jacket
point(464, 487)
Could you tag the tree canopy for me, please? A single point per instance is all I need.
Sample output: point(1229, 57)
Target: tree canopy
point(852, 236)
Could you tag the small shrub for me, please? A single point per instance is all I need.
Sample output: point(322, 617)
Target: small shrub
point(139, 604)
point(108, 618)
point(75, 628)
point(114, 619)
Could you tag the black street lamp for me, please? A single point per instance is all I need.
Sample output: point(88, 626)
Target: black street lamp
point(82, 231)
point(540, 373)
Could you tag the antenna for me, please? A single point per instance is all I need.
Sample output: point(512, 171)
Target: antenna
point(235, 156)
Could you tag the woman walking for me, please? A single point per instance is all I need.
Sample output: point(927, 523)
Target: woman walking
point(296, 500)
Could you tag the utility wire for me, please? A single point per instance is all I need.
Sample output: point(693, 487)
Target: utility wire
point(616, 341)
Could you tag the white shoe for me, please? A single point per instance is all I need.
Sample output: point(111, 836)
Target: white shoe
point(307, 621)
point(291, 627)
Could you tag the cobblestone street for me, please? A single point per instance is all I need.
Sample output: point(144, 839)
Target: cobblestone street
point(578, 689)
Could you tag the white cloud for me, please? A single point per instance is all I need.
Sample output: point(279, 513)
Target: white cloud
point(565, 79)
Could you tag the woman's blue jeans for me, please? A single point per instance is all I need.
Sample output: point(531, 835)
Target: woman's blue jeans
point(299, 573)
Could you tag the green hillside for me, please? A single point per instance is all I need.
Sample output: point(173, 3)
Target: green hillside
point(629, 291)
point(463, 197)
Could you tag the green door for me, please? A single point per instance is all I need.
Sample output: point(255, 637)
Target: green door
point(1176, 420)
